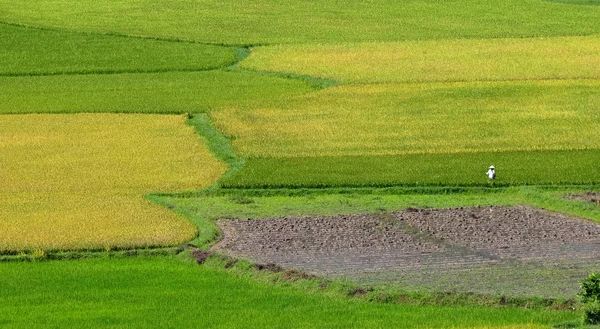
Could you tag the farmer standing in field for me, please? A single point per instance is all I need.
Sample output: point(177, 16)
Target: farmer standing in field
point(491, 173)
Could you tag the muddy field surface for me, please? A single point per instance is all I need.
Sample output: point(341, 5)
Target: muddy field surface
point(593, 197)
point(505, 250)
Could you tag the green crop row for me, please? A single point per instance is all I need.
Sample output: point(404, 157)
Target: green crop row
point(167, 92)
point(512, 168)
point(30, 51)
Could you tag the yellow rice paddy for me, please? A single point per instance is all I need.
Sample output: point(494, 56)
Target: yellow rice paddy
point(439, 60)
point(77, 181)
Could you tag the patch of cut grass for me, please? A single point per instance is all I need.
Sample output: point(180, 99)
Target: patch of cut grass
point(289, 21)
point(439, 60)
point(396, 119)
point(163, 292)
point(513, 168)
point(167, 92)
point(29, 51)
point(77, 181)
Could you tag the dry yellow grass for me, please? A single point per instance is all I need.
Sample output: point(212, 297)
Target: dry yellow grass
point(77, 181)
point(440, 60)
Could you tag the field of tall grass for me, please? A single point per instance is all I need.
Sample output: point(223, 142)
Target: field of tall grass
point(78, 181)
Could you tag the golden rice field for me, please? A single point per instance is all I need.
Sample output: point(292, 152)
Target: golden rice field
point(380, 119)
point(437, 60)
point(77, 181)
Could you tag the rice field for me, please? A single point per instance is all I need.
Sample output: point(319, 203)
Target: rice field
point(78, 181)
point(31, 51)
point(158, 93)
point(284, 94)
point(420, 118)
point(142, 293)
point(437, 60)
point(271, 22)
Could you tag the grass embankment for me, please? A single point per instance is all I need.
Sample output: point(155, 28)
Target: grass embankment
point(162, 292)
point(511, 279)
point(205, 207)
point(436, 60)
point(313, 21)
point(30, 51)
point(77, 181)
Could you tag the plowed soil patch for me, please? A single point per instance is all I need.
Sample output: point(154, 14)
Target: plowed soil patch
point(506, 250)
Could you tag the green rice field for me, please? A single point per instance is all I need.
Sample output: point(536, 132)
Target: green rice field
point(129, 129)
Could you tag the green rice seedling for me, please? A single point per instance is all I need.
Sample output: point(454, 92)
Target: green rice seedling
point(170, 293)
point(457, 169)
point(167, 92)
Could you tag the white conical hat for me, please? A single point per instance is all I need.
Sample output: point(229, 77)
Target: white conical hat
point(492, 167)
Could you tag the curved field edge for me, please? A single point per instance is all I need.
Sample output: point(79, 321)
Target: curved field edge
point(30, 51)
point(300, 22)
point(167, 293)
point(206, 206)
point(77, 180)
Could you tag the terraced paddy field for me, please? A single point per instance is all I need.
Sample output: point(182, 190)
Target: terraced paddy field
point(419, 97)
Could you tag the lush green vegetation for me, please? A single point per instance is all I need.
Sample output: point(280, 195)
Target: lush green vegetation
point(167, 92)
point(289, 21)
point(30, 51)
point(157, 292)
point(513, 168)
point(77, 181)
point(392, 118)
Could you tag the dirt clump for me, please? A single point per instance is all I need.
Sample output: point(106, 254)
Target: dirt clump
point(593, 197)
point(201, 255)
point(268, 267)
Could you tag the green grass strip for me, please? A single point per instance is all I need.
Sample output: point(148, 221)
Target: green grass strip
point(169, 92)
point(464, 169)
point(30, 51)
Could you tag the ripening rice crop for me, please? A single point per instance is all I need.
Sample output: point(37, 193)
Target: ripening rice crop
point(439, 60)
point(393, 119)
point(77, 181)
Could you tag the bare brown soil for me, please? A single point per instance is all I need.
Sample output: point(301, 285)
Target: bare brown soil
point(430, 248)
point(593, 197)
